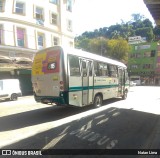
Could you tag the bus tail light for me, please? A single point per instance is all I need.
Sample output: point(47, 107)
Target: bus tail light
point(61, 86)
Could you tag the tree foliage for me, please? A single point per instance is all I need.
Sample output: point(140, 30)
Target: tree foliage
point(118, 49)
point(112, 41)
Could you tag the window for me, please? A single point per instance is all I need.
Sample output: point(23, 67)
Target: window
point(69, 25)
point(135, 55)
point(153, 52)
point(56, 41)
point(147, 54)
point(147, 66)
point(135, 66)
point(126, 75)
point(1, 34)
point(90, 68)
point(39, 15)
point(19, 7)
point(52, 66)
point(84, 68)
point(112, 70)
point(131, 55)
point(100, 69)
point(74, 66)
point(21, 37)
point(2, 4)
point(54, 18)
point(40, 40)
point(69, 5)
point(103, 70)
point(54, 1)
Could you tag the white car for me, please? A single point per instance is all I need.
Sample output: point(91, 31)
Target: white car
point(10, 88)
point(132, 83)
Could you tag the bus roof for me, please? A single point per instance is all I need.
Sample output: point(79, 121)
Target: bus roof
point(88, 55)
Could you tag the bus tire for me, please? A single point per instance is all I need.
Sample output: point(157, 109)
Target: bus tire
point(14, 97)
point(125, 95)
point(97, 101)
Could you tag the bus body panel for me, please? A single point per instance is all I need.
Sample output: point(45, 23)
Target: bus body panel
point(75, 91)
point(101, 84)
point(46, 74)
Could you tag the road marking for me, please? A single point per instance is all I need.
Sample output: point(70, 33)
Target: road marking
point(103, 140)
point(102, 121)
point(116, 114)
point(112, 144)
point(64, 130)
point(14, 136)
point(54, 141)
point(95, 137)
point(87, 126)
point(99, 116)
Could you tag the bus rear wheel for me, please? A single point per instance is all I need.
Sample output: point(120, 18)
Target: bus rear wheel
point(97, 101)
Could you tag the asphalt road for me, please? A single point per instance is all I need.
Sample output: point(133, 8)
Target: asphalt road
point(133, 123)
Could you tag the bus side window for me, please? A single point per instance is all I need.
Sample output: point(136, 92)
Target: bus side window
point(112, 70)
point(105, 70)
point(90, 68)
point(74, 66)
point(96, 73)
point(126, 76)
point(84, 68)
point(100, 69)
point(120, 75)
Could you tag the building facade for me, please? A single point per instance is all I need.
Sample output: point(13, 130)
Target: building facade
point(144, 61)
point(30, 25)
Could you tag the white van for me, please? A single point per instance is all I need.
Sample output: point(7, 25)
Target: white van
point(10, 89)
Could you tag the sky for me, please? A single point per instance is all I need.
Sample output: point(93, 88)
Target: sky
point(94, 14)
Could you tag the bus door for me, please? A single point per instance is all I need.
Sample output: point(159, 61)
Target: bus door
point(87, 82)
point(121, 82)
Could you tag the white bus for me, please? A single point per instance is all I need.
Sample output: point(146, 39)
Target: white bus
point(75, 77)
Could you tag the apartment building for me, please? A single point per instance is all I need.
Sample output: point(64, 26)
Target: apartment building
point(29, 25)
point(144, 61)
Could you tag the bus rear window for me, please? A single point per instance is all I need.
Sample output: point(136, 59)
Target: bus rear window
point(52, 66)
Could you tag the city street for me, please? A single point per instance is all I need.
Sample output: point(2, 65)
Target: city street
point(133, 123)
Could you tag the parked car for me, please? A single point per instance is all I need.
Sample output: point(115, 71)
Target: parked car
point(10, 89)
point(131, 83)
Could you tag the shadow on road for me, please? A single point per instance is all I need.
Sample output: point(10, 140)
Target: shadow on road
point(44, 115)
point(111, 129)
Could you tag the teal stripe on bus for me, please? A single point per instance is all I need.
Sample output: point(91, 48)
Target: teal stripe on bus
point(73, 89)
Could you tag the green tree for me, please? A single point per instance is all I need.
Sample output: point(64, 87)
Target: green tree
point(118, 49)
point(156, 31)
point(82, 43)
point(145, 32)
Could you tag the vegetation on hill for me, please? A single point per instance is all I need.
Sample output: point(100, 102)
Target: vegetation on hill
point(112, 41)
